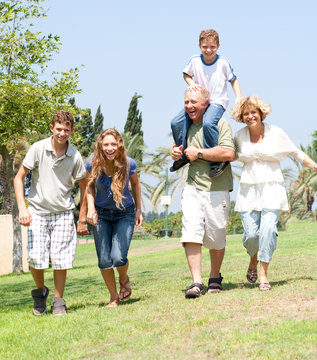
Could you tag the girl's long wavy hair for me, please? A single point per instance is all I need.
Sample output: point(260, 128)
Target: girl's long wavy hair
point(120, 165)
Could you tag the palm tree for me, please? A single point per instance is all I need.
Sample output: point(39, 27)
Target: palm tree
point(304, 188)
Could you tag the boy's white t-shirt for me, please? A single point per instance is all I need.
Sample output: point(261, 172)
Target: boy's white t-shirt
point(212, 77)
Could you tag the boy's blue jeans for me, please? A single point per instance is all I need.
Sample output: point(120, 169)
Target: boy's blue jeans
point(182, 121)
point(113, 234)
point(260, 232)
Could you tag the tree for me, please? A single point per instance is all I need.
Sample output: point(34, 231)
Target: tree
point(84, 137)
point(98, 123)
point(133, 126)
point(26, 101)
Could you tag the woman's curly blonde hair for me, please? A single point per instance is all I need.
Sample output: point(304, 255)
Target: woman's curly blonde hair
point(239, 108)
point(120, 165)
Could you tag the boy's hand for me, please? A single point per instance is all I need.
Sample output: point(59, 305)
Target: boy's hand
point(176, 152)
point(25, 218)
point(82, 228)
point(195, 87)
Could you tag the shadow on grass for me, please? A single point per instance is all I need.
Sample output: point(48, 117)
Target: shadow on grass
point(245, 285)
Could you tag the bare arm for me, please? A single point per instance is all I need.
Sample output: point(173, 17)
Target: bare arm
point(191, 83)
point(217, 154)
point(92, 216)
point(25, 217)
point(310, 163)
point(136, 193)
point(82, 228)
point(236, 88)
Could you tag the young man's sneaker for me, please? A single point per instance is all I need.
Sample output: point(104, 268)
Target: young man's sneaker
point(59, 306)
point(39, 307)
point(178, 164)
point(218, 168)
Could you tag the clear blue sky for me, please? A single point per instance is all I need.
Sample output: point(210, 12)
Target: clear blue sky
point(143, 46)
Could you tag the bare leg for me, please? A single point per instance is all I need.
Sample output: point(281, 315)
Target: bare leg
point(125, 289)
point(38, 277)
point(263, 272)
point(253, 265)
point(193, 255)
point(216, 258)
point(59, 282)
point(252, 273)
point(110, 281)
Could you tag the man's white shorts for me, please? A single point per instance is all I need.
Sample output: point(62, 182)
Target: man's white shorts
point(52, 237)
point(205, 216)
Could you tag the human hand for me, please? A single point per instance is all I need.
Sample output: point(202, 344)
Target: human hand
point(138, 218)
point(92, 216)
point(82, 228)
point(191, 153)
point(194, 87)
point(176, 152)
point(25, 218)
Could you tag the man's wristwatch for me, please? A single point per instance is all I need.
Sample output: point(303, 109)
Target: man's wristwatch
point(200, 154)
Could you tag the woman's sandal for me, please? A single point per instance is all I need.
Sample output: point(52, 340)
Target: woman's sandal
point(125, 289)
point(192, 293)
point(113, 303)
point(265, 287)
point(215, 288)
point(252, 276)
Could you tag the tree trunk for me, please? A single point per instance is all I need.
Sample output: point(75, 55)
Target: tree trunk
point(309, 198)
point(6, 181)
point(5, 167)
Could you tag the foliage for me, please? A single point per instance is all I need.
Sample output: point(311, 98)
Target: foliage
point(84, 137)
point(150, 216)
point(27, 102)
point(174, 222)
point(314, 144)
point(234, 225)
point(98, 123)
point(133, 126)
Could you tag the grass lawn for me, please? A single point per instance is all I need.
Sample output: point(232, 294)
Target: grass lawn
point(157, 322)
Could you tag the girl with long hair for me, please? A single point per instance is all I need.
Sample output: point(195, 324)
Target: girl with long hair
point(112, 210)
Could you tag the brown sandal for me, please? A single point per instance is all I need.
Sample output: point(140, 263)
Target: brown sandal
point(252, 276)
point(125, 289)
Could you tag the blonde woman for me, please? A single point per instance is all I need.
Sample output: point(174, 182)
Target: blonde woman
point(261, 195)
point(112, 210)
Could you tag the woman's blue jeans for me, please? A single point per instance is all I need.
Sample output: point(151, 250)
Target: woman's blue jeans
point(113, 234)
point(260, 233)
point(182, 122)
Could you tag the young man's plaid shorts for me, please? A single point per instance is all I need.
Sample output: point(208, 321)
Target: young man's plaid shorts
point(52, 236)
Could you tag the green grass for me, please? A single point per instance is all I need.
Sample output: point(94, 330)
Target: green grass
point(158, 322)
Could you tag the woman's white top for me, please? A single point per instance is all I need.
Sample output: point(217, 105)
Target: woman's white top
point(262, 183)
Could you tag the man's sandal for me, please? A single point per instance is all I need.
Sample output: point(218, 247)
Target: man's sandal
point(215, 288)
point(192, 293)
point(265, 287)
point(125, 289)
point(252, 276)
